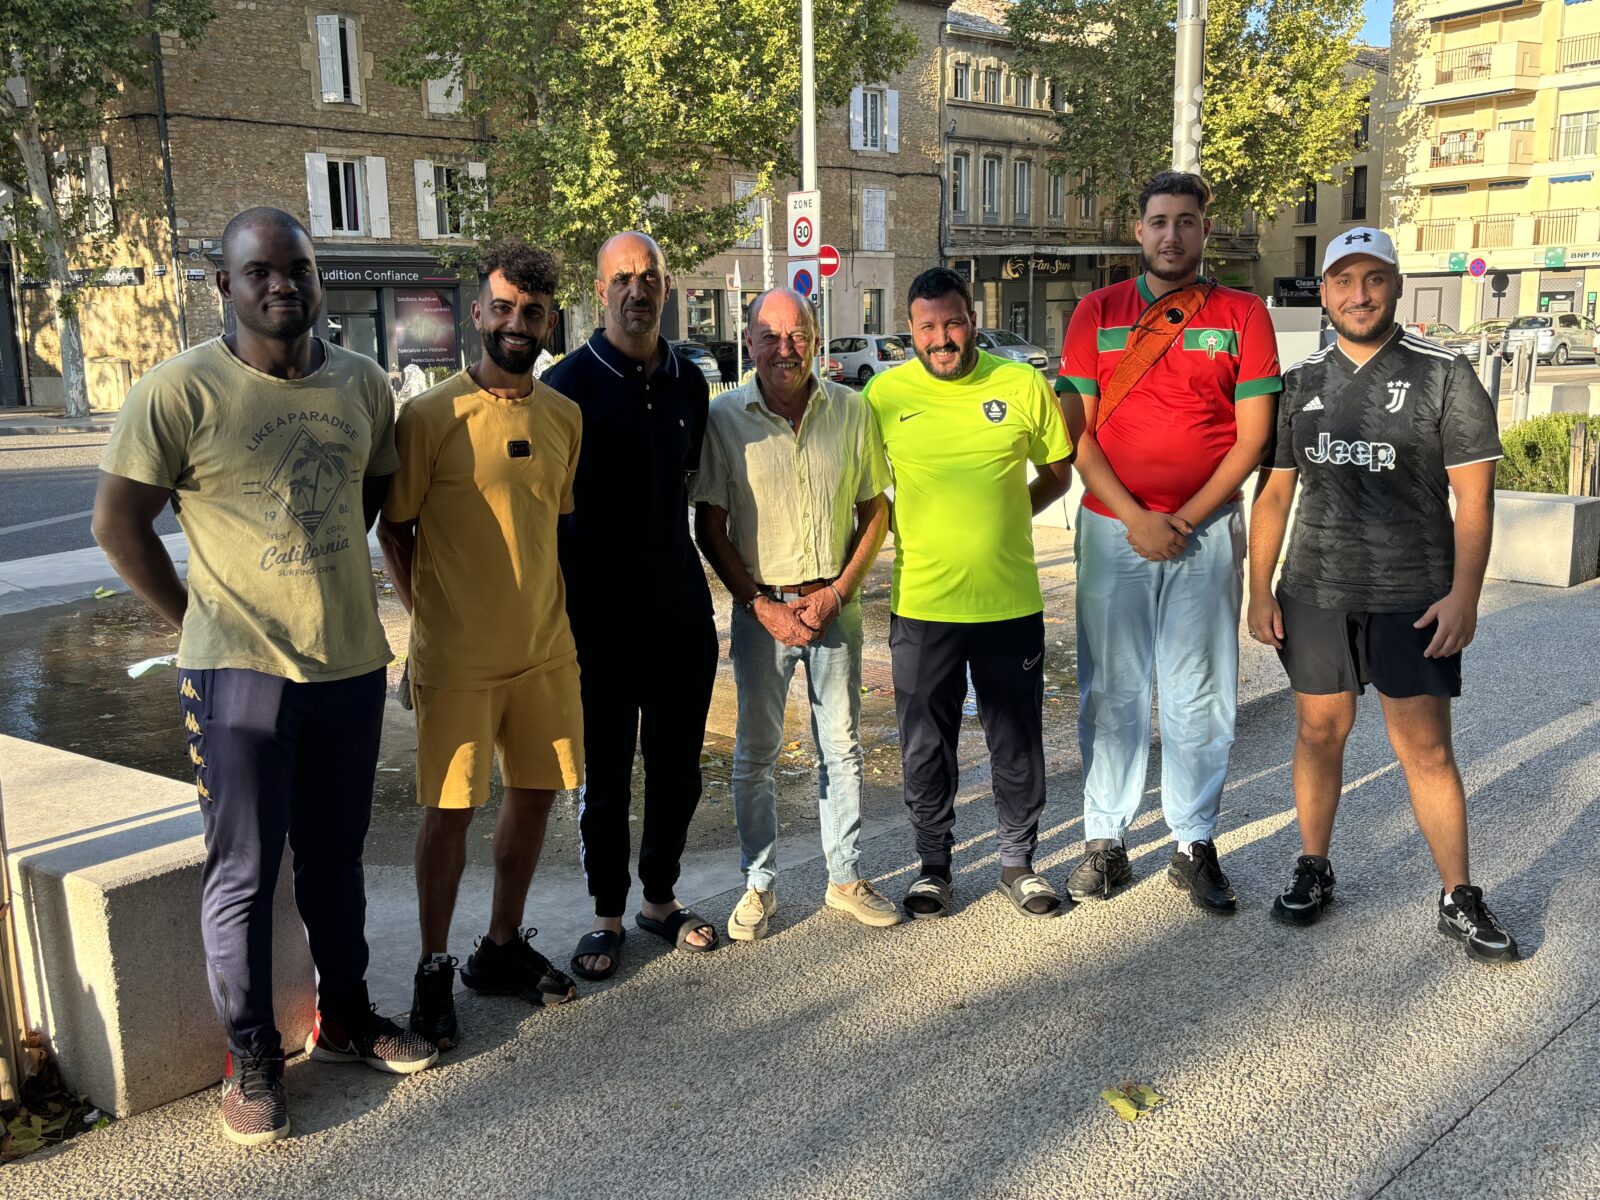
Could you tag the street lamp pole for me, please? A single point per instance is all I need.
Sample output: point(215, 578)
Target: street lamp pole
point(808, 99)
point(1188, 85)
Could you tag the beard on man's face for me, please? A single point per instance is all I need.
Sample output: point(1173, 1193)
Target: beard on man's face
point(513, 361)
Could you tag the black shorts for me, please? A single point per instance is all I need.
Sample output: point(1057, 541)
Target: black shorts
point(1327, 650)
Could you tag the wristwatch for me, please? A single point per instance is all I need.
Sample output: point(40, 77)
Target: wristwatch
point(750, 605)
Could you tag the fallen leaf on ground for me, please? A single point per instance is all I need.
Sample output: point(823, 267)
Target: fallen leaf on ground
point(1130, 1100)
point(103, 593)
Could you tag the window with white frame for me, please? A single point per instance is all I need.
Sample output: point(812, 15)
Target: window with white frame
point(1022, 188)
point(83, 186)
point(447, 91)
point(1024, 91)
point(961, 82)
point(991, 187)
point(1576, 134)
point(744, 189)
point(338, 59)
point(960, 183)
point(991, 85)
point(347, 195)
point(1058, 194)
point(1086, 197)
point(874, 219)
point(875, 119)
point(444, 206)
point(872, 119)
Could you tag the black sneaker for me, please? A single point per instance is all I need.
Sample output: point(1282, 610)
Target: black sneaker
point(1200, 874)
point(253, 1108)
point(365, 1037)
point(1104, 866)
point(1309, 892)
point(517, 969)
point(433, 1002)
point(1464, 916)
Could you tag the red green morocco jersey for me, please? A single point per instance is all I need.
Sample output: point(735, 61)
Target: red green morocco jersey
point(1167, 437)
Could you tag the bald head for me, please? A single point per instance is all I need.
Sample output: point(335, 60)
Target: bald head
point(791, 303)
point(627, 245)
point(261, 219)
point(631, 280)
point(783, 343)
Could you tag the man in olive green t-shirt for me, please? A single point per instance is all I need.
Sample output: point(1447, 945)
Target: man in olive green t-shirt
point(960, 427)
point(275, 449)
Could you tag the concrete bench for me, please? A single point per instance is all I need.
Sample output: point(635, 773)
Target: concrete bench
point(1554, 540)
point(105, 865)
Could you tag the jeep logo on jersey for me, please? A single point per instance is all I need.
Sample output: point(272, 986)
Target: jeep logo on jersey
point(1374, 456)
point(995, 410)
point(1397, 394)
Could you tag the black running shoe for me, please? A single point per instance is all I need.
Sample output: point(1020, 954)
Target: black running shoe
point(1464, 916)
point(433, 1002)
point(517, 969)
point(1104, 866)
point(1309, 892)
point(253, 1108)
point(1200, 874)
point(365, 1037)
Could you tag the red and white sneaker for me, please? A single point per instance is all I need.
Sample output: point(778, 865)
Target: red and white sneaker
point(253, 1108)
point(368, 1038)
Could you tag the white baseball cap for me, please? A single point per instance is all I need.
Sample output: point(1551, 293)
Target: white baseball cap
point(1363, 239)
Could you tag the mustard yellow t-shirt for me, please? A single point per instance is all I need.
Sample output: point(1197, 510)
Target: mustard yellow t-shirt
point(266, 475)
point(486, 479)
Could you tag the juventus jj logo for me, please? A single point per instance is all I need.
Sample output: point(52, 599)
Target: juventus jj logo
point(1353, 238)
point(1397, 394)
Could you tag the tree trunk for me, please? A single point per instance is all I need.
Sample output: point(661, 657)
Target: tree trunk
point(60, 288)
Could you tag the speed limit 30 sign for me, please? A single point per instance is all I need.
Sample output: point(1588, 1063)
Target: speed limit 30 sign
point(805, 223)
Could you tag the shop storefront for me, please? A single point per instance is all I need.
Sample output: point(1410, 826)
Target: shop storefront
point(401, 313)
point(1297, 291)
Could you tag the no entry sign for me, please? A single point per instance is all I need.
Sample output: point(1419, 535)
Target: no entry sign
point(828, 261)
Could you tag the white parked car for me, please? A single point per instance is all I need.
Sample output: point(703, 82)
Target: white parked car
point(1556, 337)
point(1004, 344)
point(863, 355)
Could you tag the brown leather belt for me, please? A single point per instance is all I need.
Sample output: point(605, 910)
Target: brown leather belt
point(796, 589)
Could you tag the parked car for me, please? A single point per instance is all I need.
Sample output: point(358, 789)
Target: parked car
point(702, 358)
point(1434, 331)
point(1004, 344)
point(1556, 337)
point(863, 355)
point(727, 356)
point(834, 369)
point(1467, 342)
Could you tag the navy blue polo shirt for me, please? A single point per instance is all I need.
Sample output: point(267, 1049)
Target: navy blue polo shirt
point(629, 527)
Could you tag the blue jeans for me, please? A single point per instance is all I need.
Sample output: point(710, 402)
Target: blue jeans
point(762, 668)
point(1137, 618)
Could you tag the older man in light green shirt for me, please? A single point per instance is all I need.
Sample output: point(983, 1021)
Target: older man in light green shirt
point(790, 513)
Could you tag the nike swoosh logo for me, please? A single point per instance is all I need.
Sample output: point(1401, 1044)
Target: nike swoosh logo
point(1029, 664)
point(908, 416)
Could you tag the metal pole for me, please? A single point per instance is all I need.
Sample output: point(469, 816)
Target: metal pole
point(766, 243)
point(808, 101)
point(1188, 85)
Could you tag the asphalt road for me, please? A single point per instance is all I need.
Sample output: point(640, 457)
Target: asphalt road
point(47, 488)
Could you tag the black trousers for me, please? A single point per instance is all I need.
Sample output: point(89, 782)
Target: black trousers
point(654, 697)
point(930, 663)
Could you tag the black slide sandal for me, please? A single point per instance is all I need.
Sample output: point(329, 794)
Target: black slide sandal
point(677, 928)
point(599, 941)
point(930, 890)
point(1032, 887)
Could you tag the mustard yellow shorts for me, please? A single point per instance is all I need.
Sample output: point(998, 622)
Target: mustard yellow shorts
point(534, 724)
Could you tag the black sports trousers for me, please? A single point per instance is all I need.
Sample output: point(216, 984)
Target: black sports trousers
point(931, 660)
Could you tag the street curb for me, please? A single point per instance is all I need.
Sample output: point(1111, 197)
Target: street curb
point(56, 426)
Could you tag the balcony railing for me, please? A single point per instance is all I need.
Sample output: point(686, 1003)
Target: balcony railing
point(1463, 63)
point(1580, 52)
point(1436, 235)
point(1489, 233)
point(1556, 226)
point(1458, 148)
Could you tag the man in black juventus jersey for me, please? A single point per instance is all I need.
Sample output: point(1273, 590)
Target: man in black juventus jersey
point(1380, 586)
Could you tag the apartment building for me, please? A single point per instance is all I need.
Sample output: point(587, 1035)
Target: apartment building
point(1496, 203)
point(283, 105)
point(1293, 242)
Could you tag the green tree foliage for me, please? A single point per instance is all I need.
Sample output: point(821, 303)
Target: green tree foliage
point(66, 63)
point(1538, 453)
point(1279, 111)
point(595, 107)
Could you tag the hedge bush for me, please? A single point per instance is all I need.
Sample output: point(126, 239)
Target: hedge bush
point(1538, 452)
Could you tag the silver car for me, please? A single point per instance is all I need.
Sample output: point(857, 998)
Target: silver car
point(863, 355)
point(1468, 342)
point(1556, 337)
point(1003, 343)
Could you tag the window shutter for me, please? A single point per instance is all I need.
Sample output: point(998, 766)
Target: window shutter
point(891, 121)
point(354, 65)
point(479, 174)
point(427, 214)
point(445, 93)
point(377, 171)
point(6, 197)
point(874, 220)
point(330, 62)
point(317, 198)
point(858, 118)
point(98, 189)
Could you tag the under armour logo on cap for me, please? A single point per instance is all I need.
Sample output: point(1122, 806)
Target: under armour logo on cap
point(1363, 239)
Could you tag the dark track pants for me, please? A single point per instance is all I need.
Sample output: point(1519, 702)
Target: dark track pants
point(654, 698)
point(276, 760)
point(930, 663)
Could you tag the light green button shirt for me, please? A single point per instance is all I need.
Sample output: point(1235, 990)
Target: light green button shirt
point(790, 494)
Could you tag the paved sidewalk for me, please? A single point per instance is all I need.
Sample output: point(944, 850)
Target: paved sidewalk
point(1365, 1057)
point(31, 422)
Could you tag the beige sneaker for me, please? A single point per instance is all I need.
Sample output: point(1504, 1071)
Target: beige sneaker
point(862, 902)
point(750, 916)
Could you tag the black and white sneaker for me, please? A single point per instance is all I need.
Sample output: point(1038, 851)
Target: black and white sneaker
point(1104, 866)
point(517, 969)
point(253, 1108)
point(433, 1002)
point(362, 1036)
point(1309, 892)
point(1464, 916)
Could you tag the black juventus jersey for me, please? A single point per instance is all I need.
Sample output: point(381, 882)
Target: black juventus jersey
point(1373, 531)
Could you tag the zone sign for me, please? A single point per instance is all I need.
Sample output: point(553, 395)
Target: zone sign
point(805, 223)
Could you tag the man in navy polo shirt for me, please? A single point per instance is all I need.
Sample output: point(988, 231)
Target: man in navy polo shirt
point(637, 600)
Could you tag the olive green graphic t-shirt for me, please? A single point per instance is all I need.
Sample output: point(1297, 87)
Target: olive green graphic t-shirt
point(267, 476)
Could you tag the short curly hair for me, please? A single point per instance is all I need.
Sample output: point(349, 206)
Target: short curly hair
point(1175, 183)
point(530, 270)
